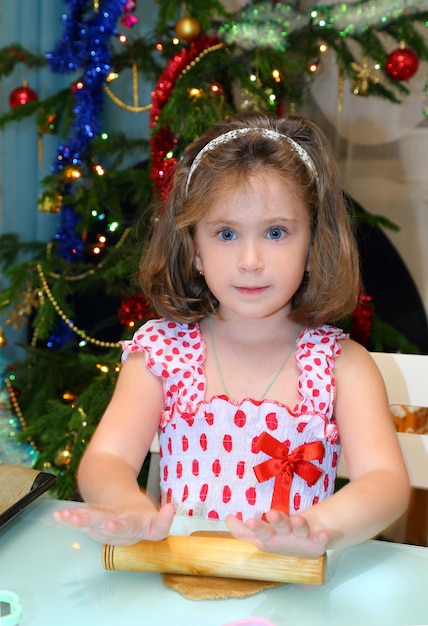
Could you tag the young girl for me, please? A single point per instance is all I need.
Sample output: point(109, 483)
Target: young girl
point(253, 393)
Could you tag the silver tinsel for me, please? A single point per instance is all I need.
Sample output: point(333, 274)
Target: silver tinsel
point(261, 25)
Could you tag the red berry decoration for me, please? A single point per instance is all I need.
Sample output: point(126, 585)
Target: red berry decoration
point(22, 95)
point(402, 64)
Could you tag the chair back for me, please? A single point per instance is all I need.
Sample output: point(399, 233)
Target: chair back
point(406, 381)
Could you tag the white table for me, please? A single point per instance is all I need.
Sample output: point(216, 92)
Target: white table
point(58, 575)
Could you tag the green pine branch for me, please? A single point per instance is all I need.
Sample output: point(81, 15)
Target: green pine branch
point(15, 54)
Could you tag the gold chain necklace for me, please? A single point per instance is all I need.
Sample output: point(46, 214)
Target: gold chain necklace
point(275, 376)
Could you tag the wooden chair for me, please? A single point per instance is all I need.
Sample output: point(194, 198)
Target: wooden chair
point(406, 380)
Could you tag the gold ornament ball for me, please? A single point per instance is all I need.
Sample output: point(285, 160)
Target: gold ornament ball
point(63, 458)
point(3, 340)
point(187, 28)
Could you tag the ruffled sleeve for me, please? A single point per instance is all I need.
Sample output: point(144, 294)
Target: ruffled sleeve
point(316, 356)
point(176, 353)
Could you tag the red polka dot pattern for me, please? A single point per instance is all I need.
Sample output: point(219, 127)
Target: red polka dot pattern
point(207, 445)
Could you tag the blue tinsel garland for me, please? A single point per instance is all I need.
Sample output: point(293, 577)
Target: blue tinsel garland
point(84, 45)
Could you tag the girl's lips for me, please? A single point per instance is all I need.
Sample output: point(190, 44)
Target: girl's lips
point(251, 291)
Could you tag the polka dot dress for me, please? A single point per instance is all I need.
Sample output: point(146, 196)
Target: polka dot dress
point(219, 457)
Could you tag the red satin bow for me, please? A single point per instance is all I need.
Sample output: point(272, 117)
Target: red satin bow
point(284, 465)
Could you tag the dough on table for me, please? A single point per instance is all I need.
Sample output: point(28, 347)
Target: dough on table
point(213, 587)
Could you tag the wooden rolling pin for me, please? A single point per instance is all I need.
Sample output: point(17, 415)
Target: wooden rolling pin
point(205, 554)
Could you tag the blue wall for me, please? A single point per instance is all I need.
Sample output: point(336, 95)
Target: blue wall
point(36, 25)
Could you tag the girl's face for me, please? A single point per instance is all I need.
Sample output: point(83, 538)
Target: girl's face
point(252, 247)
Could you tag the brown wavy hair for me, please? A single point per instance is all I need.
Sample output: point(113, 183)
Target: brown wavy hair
point(168, 276)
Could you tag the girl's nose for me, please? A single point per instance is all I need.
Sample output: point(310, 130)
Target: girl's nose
point(250, 258)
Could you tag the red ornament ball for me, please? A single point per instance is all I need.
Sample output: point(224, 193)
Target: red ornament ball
point(402, 64)
point(133, 309)
point(22, 95)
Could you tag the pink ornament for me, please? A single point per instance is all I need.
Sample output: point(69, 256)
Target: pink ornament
point(129, 21)
point(130, 5)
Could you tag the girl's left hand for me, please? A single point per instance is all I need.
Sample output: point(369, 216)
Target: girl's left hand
point(280, 534)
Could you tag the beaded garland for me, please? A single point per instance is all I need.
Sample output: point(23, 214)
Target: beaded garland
point(67, 320)
point(22, 423)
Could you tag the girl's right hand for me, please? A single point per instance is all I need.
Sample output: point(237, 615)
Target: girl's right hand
point(120, 529)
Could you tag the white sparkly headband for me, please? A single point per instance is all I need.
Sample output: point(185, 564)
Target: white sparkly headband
point(265, 132)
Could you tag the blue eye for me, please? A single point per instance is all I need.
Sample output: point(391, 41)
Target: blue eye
point(275, 233)
point(227, 235)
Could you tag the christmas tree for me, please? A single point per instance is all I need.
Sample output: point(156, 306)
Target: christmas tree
point(75, 294)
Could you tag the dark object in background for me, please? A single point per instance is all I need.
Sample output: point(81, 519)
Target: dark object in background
point(387, 280)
